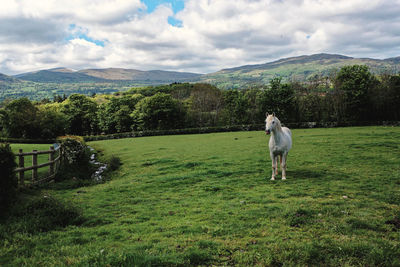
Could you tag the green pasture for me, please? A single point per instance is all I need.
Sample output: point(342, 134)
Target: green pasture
point(207, 200)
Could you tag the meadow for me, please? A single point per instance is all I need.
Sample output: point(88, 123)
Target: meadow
point(207, 200)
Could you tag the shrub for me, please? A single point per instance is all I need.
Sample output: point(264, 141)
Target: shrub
point(76, 159)
point(8, 180)
point(74, 148)
point(114, 162)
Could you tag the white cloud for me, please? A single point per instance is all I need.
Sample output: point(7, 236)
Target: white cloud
point(215, 34)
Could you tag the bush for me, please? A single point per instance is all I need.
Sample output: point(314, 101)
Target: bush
point(74, 148)
point(8, 180)
point(76, 159)
point(114, 162)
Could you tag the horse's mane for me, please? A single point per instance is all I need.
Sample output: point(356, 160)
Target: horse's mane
point(278, 124)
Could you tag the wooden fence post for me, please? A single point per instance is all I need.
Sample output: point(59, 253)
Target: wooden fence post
point(61, 157)
point(34, 164)
point(21, 165)
point(51, 159)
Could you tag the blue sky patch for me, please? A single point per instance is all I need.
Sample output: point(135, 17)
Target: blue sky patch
point(174, 22)
point(177, 5)
point(79, 33)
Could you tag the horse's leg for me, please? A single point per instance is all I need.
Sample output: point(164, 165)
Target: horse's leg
point(274, 166)
point(280, 160)
point(283, 165)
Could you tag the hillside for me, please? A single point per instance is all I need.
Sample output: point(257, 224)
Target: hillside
point(295, 68)
point(6, 78)
point(64, 75)
point(47, 83)
point(156, 76)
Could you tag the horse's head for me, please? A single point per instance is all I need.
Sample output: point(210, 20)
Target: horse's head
point(271, 123)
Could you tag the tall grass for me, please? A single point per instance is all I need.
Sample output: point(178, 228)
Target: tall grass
point(207, 200)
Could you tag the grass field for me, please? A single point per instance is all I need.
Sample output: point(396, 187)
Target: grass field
point(207, 200)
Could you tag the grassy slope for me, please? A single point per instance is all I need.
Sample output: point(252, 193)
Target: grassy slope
point(300, 71)
point(204, 199)
point(38, 91)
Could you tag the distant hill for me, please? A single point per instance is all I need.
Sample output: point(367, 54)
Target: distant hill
point(47, 83)
point(157, 76)
point(294, 68)
point(298, 68)
point(64, 75)
point(58, 75)
point(6, 78)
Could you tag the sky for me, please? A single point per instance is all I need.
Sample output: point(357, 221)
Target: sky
point(200, 36)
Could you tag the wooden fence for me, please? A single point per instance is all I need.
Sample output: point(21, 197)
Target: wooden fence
point(55, 156)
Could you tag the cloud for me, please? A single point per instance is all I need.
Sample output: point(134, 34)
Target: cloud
point(205, 35)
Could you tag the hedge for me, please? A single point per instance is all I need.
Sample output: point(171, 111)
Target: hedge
point(8, 179)
point(201, 130)
point(234, 128)
point(26, 141)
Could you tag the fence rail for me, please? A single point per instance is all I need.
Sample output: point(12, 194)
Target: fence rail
point(53, 163)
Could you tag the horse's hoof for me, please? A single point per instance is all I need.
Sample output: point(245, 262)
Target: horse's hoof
point(283, 178)
point(273, 179)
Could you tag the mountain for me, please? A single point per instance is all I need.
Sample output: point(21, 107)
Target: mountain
point(47, 83)
point(299, 68)
point(6, 78)
point(64, 75)
point(57, 75)
point(118, 74)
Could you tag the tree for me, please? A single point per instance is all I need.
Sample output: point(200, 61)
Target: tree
point(252, 109)
point(394, 97)
point(236, 107)
point(385, 98)
point(114, 116)
point(20, 119)
point(123, 119)
point(278, 98)
point(52, 121)
point(159, 112)
point(81, 113)
point(311, 107)
point(204, 105)
point(355, 82)
point(3, 117)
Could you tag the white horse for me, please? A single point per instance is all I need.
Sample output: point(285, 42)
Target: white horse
point(280, 143)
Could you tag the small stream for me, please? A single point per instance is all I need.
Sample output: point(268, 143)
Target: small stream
point(101, 167)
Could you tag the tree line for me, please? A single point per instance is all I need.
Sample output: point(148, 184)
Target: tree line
point(352, 93)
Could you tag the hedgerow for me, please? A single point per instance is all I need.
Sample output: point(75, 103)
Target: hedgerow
point(8, 180)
